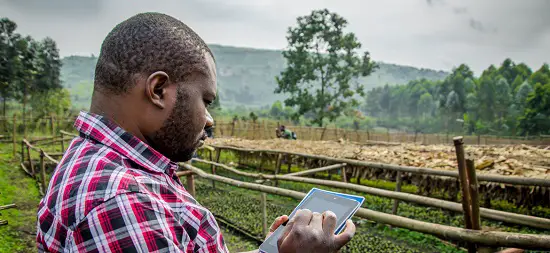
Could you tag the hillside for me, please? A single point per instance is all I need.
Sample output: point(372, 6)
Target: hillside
point(245, 76)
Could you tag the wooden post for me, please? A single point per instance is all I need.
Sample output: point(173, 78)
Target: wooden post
point(474, 192)
point(278, 168)
point(323, 133)
point(62, 142)
point(388, 133)
point(14, 134)
point(218, 152)
point(43, 171)
point(336, 132)
point(52, 125)
point(478, 139)
point(30, 161)
point(397, 189)
point(233, 129)
point(22, 151)
point(264, 214)
point(288, 159)
point(343, 171)
point(464, 185)
point(191, 184)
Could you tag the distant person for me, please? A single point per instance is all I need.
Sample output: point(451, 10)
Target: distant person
point(116, 189)
point(285, 133)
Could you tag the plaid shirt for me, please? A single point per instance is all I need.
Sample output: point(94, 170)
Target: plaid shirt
point(111, 192)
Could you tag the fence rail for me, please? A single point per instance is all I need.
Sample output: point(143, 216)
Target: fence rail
point(470, 236)
point(266, 130)
point(485, 238)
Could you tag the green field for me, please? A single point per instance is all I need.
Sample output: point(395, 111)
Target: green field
point(241, 208)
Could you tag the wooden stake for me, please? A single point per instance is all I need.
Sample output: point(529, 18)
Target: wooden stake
point(397, 189)
point(52, 125)
point(191, 184)
point(62, 142)
point(474, 193)
point(43, 171)
point(264, 214)
point(464, 185)
point(14, 134)
point(278, 168)
point(344, 179)
point(30, 161)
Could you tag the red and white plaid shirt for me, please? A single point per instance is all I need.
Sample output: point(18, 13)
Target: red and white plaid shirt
point(111, 192)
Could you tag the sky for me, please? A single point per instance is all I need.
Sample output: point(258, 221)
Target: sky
point(436, 34)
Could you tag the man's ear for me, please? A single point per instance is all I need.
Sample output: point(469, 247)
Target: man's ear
point(156, 88)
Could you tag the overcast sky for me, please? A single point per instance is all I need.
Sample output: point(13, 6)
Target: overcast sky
point(437, 34)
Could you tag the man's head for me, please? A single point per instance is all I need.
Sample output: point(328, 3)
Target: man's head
point(157, 76)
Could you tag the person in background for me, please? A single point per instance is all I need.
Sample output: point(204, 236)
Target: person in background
point(285, 133)
point(115, 188)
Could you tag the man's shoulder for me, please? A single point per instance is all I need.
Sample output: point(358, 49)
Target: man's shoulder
point(88, 174)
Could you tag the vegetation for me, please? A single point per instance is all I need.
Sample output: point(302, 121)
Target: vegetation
point(322, 67)
point(509, 100)
point(29, 69)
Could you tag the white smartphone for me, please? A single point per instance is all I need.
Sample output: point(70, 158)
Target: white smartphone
point(344, 206)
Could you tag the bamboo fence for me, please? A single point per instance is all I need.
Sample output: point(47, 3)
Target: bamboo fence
point(262, 130)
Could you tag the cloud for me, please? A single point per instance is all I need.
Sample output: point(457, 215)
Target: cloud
point(477, 25)
point(434, 34)
point(460, 10)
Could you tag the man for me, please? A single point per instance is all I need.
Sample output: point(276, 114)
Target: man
point(284, 133)
point(115, 189)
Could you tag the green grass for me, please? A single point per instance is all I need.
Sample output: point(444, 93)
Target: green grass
point(16, 187)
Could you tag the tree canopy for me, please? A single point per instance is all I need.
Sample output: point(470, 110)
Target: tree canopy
point(323, 65)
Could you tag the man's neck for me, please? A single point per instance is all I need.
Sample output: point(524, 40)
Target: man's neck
point(118, 109)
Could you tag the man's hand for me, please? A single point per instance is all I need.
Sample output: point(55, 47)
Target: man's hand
point(278, 222)
point(313, 232)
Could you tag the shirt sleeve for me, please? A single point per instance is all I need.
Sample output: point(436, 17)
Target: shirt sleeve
point(135, 222)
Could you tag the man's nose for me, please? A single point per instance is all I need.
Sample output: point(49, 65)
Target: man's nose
point(209, 120)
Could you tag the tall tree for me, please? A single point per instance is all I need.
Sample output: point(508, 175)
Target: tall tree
point(27, 49)
point(322, 66)
point(8, 60)
point(536, 119)
point(541, 76)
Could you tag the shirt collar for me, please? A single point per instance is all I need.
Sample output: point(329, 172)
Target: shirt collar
point(107, 132)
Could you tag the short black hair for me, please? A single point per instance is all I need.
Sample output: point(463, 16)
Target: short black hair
point(146, 43)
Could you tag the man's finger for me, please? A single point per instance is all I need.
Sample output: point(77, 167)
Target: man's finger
point(343, 238)
point(278, 223)
point(303, 217)
point(286, 231)
point(316, 221)
point(329, 222)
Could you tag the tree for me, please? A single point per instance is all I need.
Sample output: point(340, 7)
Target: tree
point(521, 96)
point(8, 60)
point(253, 117)
point(426, 104)
point(541, 76)
point(52, 102)
point(504, 99)
point(27, 49)
point(536, 119)
point(322, 64)
point(276, 110)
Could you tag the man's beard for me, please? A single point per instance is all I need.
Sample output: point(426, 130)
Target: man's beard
point(175, 139)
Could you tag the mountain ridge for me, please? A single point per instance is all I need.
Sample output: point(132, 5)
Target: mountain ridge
point(246, 76)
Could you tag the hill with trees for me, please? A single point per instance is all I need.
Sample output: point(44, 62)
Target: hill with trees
point(246, 76)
